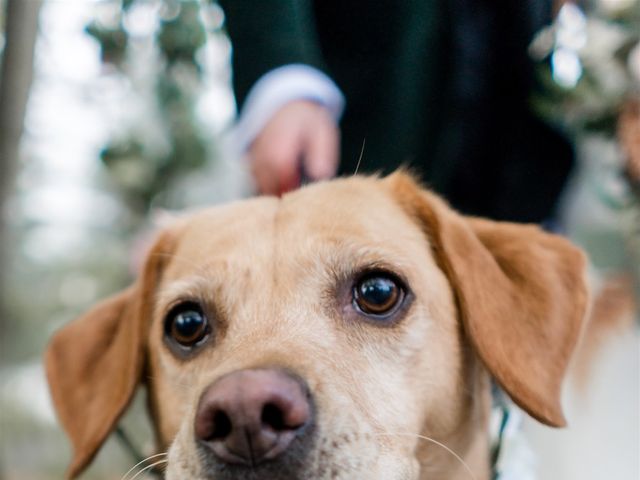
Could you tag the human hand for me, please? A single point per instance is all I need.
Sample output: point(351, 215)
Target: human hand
point(301, 137)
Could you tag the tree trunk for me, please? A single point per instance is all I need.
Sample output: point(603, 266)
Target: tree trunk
point(21, 20)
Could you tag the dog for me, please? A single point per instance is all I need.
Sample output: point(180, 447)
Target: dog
point(347, 330)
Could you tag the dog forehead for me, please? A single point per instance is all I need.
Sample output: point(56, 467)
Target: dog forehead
point(357, 210)
point(222, 228)
point(307, 238)
point(357, 205)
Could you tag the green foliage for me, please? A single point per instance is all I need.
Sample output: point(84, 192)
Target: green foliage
point(140, 171)
point(584, 108)
point(113, 41)
point(180, 38)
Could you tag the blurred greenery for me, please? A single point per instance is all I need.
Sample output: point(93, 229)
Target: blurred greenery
point(602, 42)
point(588, 73)
point(140, 172)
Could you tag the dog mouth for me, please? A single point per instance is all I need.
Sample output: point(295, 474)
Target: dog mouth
point(319, 464)
point(285, 456)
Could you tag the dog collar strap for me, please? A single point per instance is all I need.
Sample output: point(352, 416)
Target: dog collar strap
point(511, 456)
point(139, 459)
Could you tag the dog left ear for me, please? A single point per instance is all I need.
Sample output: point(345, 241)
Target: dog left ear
point(95, 363)
point(521, 295)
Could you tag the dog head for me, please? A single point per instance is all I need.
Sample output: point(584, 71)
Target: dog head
point(324, 335)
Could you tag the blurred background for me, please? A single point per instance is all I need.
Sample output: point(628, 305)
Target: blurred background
point(113, 111)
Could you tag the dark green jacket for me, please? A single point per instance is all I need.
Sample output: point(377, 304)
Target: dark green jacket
point(439, 85)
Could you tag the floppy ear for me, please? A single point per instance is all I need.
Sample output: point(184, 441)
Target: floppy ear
point(95, 363)
point(521, 295)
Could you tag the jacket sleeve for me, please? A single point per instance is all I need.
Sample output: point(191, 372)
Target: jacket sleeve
point(266, 34)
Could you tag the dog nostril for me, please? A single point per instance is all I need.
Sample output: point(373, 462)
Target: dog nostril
point(273, 417)
point(221, 426)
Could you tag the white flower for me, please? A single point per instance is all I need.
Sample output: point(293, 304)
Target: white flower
point(543, 43)
point(566, 67)
point(571, 30)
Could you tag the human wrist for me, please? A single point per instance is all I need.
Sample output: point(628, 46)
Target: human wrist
point(276, 89)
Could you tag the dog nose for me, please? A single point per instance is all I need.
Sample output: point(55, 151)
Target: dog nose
point(251, 416)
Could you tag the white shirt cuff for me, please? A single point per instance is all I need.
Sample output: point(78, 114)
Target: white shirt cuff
point(277, 88)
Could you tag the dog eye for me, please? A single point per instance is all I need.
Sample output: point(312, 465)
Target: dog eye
point(186, 324)
point(377, 294)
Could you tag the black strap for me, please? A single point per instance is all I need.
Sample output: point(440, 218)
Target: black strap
point(128, 445)
point(495, 452)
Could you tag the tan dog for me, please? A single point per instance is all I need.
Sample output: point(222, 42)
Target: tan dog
point(321, 335)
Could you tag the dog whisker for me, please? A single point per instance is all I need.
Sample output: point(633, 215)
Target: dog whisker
point(435, 442)
point(149, 467)
point(361, 155)
point(124, 477)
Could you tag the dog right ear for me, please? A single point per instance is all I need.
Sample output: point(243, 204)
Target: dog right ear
point(521, 295)
point(95, 363)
